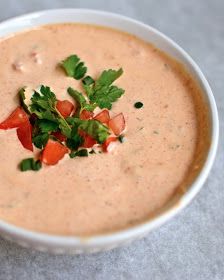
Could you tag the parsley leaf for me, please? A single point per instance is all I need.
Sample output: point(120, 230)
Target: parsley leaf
point(74, 67)
point(64, 127)
point(94, 128)
point(44, 107)
point(108, 77)
point(30, 164)
point(47, 125)
point(79, 153)
point(101, 92)
point(78, 96)
point(22, 98)
point(43, 103)
point(80, 99)
point(75, 139)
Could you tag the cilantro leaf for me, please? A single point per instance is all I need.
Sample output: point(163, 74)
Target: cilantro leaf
point(78, 96)
point(108, 77)
point(105, 96)
point(30, 164)
point(80, 99)
point(43, 103)
point(102, 93)
point(74, 67)
point(79, 153)
point(44, 107)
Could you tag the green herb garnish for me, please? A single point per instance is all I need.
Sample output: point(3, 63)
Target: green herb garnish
point(93, 128)
point(121, 138)
point(40, 140)
point(80, 153)
point(138, 105)
point(56, 135)
point(80, 99)
point(44, 107)
point(74, 67)
point(102, 93)
point(30, 164)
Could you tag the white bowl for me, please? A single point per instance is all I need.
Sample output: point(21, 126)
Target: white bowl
point(76, 245)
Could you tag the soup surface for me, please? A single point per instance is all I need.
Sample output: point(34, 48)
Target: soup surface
point(166, 139)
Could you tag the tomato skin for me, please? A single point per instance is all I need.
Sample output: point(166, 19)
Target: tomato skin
point(107, 143)
point(59, 136)
point(117, 124)
point(65, 108)
point(103, 117)
point(86, 115)
point(88, 140)
point(24, 133)
point(53, 152)
point(19, 119)
point(16, 119)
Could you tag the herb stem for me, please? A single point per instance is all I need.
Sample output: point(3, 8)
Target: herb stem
point(63, 119)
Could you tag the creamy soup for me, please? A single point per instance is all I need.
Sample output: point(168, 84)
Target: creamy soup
point(165, 141)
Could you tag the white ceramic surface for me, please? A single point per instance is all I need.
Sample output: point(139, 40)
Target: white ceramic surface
point(76, 245)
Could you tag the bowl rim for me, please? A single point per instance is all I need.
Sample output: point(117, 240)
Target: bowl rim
point(146, 226)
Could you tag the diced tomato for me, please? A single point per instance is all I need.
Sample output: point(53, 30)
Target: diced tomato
point(19, 119)
point(107, 143)
point(59, 136)
point(53, 152)
point(65, 108)
point(24, 133)
point(86, 115)
point(103, 116)
point(88, 140)
point(16, 119)
point(117, 124)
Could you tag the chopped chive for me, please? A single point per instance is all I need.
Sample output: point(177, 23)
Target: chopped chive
point(30, 164)
point(138, 105)
point(121, 138)
point(88, 80)
point(80, 153)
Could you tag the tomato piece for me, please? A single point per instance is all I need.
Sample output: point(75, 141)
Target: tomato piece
point(107, 143)
point(16, 119)
point(117, 124)
point(24, 133)
point(88, 140)
point(53, 152)
point(86, 115)
point(65, 108)
point(103, 116)
point(59, 136)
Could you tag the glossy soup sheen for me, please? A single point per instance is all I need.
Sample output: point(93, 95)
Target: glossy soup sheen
point(166, 140)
